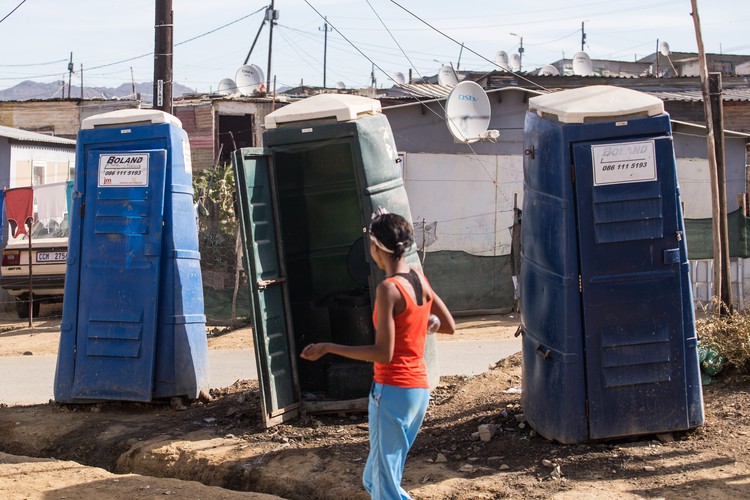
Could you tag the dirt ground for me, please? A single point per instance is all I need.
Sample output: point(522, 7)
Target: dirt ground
point(218, 449)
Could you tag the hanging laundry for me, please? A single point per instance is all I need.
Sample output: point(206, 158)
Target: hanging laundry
point(19, 205)
point(51, 204)
point(69, 197)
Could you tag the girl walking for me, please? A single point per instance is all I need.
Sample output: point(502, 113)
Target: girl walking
point(399, 396)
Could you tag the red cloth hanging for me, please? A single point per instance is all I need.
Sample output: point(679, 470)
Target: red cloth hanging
point(19, 205)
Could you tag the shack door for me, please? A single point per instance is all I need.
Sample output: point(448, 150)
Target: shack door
point(121, 232)
point(272, 330)
point(630, 236)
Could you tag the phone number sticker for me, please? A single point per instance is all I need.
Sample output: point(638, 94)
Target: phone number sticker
point(624, 162)
point(123, 170)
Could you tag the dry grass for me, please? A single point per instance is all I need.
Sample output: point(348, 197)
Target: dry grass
point(728, 334)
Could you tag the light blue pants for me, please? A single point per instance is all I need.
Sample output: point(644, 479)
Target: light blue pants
point(395, 415)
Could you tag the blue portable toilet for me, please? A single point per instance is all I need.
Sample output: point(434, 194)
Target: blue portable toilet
point(133, 324)
point(609, 341)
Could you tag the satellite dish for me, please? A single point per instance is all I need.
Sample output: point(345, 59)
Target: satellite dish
point(399, 78)
point(467, 112)
point(582, 65)
point(340, 85)
point(446, 76)
point(501, 59)
point(248, 79)
point(227, 86)
point(549, 70)
point(664, 48)
point(515, 62)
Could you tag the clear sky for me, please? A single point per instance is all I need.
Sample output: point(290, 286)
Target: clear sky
point(212, 38)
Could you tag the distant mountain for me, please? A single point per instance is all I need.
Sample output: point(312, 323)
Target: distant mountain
point(28, 90)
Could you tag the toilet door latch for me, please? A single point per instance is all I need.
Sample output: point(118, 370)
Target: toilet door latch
point(263, 284)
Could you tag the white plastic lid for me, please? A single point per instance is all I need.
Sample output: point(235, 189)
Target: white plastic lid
point(598, 102)
point(129, 117)
point(341, 107)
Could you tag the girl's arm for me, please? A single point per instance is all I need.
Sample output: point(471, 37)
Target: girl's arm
point(385, 333)
point(439, 309)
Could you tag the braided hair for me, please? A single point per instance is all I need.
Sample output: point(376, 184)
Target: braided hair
point(394, 232)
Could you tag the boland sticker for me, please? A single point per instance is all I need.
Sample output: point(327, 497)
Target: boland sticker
point(624, 162)
point(123, 170)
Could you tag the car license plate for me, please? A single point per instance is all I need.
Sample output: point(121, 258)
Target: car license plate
point(51, 256)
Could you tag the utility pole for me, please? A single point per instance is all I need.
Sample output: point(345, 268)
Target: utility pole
point(271, 16)
point(325, 48)
point(722, 276)
point(583, 35)
point(717, 116)
point(520, 52)
point(70, 74)
point(163, 28)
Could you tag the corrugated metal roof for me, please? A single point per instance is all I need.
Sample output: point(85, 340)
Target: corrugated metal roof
point(26, 136)
point(419, 91)
point(739, 95)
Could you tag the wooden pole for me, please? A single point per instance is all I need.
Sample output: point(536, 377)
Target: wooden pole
point(163, 28)
point(30, 224)
point(717, 241)
point(714, 88)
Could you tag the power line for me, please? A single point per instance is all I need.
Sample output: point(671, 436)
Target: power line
point(12, 11)
point(32, 64)
point(135, 57)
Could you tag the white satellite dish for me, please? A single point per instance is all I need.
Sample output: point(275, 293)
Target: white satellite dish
point(515, 62)
point(467, 112)
point(248, 79)
point(446, 76)
point(227, 86)
point(582, 65)
point(399, 78)
point(340, 85)
point(664, 48)
point(501, 59)
point(549, 70)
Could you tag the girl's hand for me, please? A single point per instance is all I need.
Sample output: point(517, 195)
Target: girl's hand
point(313, 352)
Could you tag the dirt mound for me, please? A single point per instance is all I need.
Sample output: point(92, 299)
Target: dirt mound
point(222, 443)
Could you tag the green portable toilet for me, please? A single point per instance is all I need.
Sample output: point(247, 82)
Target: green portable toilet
point(328, 162)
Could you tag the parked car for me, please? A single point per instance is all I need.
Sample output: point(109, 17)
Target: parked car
point(49, 251)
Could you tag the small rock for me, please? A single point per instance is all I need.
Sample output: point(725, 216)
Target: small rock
point(665, 438)
point(649, 468)
point(504, 467)
point(229, 436)
point(556, 473)
point(486, 431)
point(494, 459)
point(425, 479)
point(547, 463)
point(522, 425)
point(520, 417)
point(204, 397)
point(440, 459)
point(475, 436)
point(28, 353)
point(466, 468)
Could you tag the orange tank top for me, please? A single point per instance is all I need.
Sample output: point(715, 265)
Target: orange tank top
point(407, 368)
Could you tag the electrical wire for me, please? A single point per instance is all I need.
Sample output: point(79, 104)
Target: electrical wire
point(12, 11)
